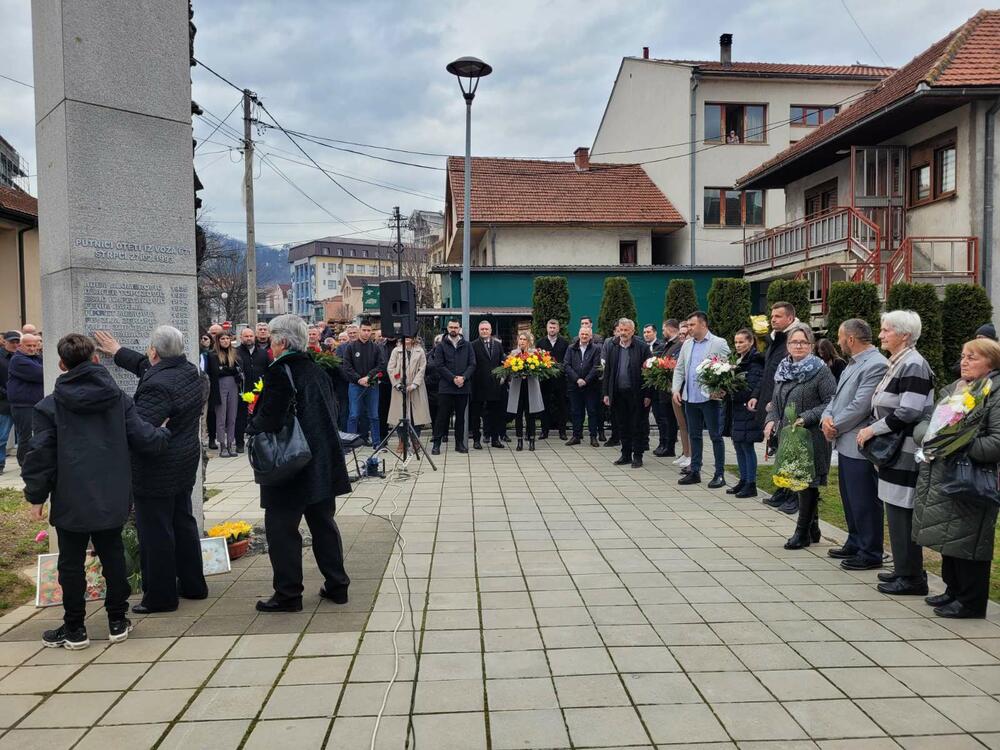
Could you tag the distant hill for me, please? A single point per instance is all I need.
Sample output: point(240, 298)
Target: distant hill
point(272, 262)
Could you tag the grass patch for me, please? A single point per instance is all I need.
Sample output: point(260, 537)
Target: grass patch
point(17, 548)
point(831, 510)
point(209, 494)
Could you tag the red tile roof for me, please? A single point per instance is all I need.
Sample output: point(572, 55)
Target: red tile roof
point(969, 56)
point(788, 69)
point(526, 191)
point(18, 201)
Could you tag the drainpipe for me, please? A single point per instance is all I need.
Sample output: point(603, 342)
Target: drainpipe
point(20, 274)
point(986, 250)
point(693, 218)
point(493, 244)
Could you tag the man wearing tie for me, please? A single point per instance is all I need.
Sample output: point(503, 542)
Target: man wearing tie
point(487, 405)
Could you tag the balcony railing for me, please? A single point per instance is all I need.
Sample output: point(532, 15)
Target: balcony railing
point(836, 231)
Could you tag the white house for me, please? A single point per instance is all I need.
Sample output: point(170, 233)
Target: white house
point(695, 126)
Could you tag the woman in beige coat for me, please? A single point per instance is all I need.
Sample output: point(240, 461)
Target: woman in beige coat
point(416, 390)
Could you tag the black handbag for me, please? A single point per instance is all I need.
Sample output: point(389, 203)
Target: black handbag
point(276, 457)
point(970, 481)
point(883, 450)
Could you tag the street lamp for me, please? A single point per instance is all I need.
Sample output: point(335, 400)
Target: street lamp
point(468, 70)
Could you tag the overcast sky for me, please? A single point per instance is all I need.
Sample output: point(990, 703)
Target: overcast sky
point(373, 72)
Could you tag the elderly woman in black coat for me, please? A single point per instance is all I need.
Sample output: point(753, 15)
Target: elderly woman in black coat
point(745, 430)
point(293, 380)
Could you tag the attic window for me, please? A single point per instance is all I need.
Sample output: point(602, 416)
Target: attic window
point(933, 169)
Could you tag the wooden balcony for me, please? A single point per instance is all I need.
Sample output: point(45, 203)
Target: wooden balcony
point(840, 230)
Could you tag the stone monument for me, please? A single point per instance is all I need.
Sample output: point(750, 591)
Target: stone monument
point(115, 182)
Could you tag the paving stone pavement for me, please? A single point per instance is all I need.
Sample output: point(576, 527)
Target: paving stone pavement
point(555, 601)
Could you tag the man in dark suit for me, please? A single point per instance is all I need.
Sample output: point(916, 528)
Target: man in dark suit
point(663, 410)
point(649, 340)
point(583, 385)
point(626, 395)
point(554, 389)
point(253, 361)
point(487, 392)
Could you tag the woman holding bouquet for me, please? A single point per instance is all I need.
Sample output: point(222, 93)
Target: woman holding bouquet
point(900, 402)
point(416, 390)
point(803, 381)
point(961, 530)
point(745, 430)
point(524, 400)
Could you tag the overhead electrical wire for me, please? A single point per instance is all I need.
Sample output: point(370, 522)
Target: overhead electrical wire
point(14, 80)
point(862, 32)
point(220, 123)
point(286, 178)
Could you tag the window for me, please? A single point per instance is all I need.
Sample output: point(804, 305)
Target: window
point(933, 169)
point(331, 284)
point(736, 123)
point(348, 268)
point(628, 252)
point(725, 207)
point(810, 115)
point(821, 198)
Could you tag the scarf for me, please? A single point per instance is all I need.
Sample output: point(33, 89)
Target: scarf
point(800, 372)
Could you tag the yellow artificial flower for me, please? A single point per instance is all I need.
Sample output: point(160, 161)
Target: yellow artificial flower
point(969, 402)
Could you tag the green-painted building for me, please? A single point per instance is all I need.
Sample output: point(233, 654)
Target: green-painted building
point(508, 289)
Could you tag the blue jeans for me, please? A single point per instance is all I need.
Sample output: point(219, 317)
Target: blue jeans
point(583, 400)
point(706, 415)
point(746, 459)
point(6, 425)
point(365, 399)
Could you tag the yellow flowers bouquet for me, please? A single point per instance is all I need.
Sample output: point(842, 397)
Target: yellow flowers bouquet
point(538, 363)
point(955, 420)
point(232, 531)
point(251, 397)
point(761, 329)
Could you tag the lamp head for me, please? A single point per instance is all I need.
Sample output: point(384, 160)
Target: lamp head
point(469, 70)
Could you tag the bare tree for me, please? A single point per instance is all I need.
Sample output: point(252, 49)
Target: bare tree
point(222, 279)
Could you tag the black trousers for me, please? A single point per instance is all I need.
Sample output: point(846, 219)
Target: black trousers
point(169, 550)
point(584, 401)
point(284, 547)
point(242, 417)
point(72, 554)
point(554, 399)
point(448, 404)
point(22, 416)
point(862, 508)
point(523, 413)
point(968, 581)
point(632, 419)
point(490, 414)
point(907, 555)
point(666, 420)
point(210, 423)
point(343, 408)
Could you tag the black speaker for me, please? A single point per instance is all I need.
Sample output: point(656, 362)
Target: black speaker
point(398, 306)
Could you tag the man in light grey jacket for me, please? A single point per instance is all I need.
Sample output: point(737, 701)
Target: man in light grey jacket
point(847, 413)
point(700, 410)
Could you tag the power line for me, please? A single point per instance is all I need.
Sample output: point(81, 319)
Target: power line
point(14, 80)
point(862, 31)
point(218, 75)
point(359, 153)
point(221, 122)
point(265, 160)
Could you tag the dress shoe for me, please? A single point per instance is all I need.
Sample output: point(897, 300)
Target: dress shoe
point(562, 434)
point(887, 576)
point(435, 449)
point(461, 448)
point(531, 444)
point(902, 587)
point(958, 610)
point(613, 443)
point(749, 490)
point(240, 449)
point(717, 481)
point(142, 609)
point(622, 460)
point(574, 441)
point(691, 478)
point(775, 501)
point(337, 595)
point(671, 453)
point(859, 563)
point(212, 445)
point(520, 445)
point(736, 487)
point(790, 506)
point(543, 435)
point(841, 553)
point(637, 461)
point(594, 443)
point(275, 605)
point(505, 437)
point(660, 451)
point(495, 443)
point(477, 445)
point(193, 597)
point(601, 436)
point(939, 600)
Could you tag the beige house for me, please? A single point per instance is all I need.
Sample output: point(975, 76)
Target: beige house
point(21, 295)
point(695, 126)
point(899, 187)
point(274, 300)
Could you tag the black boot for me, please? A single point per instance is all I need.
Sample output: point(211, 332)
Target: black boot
point(531, 444)
point(436, 448)
point(749, 490)
point(814, 533)
point(520, 444)
point(624, 458)
point(601, 436)
point(736, 487)
point(808, 499)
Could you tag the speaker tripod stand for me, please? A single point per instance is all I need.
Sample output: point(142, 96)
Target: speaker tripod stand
point(404, 427)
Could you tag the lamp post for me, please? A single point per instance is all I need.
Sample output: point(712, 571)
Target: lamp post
point(468, 70)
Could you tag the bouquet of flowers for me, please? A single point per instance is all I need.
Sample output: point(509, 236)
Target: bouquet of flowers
point(955, 421)
point(253, 396)
point(232, 531)
point(374, 380)
point(794, 466)
point(658, 373)
point(761, 328)
point(326, 360)
point(538, 363)
point(718, 375)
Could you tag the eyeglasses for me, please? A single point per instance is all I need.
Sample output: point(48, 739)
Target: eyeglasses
point(799, 343)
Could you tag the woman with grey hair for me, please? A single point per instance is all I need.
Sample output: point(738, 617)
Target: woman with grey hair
point(901, 401)
point(294, 382)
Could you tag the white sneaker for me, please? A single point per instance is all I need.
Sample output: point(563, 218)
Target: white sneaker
point(679, 460)
point(686, 462)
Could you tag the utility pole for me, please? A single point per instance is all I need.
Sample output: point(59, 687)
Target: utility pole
point(248, 98)
point(397, 221)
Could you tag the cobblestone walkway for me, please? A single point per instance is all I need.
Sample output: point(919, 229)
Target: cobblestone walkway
point(556, 601)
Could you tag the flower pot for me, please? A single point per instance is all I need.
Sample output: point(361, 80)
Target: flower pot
point(238, 549)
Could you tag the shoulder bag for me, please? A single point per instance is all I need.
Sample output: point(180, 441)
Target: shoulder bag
point(970, 481)
point(276, 457)
point(883, 450)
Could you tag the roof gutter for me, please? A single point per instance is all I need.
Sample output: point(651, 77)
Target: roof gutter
point(988, 197)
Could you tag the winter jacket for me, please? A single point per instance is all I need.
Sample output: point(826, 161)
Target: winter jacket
point(25, 380)
point(958, 528)
point(452, 360)
point(253, 363)
point(362, 359)
point(582, 366)
point(810, 399)
point(637, 353)
point(557, 350)
point(744, 424)
point(777, 350)
point(4, 369)
point(79, 454)
point(485, 385)
point(173, 388)
point(325, 476)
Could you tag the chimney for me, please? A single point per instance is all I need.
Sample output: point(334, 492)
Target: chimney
point(582, 158)
point(645, 53)
point(726, 49)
